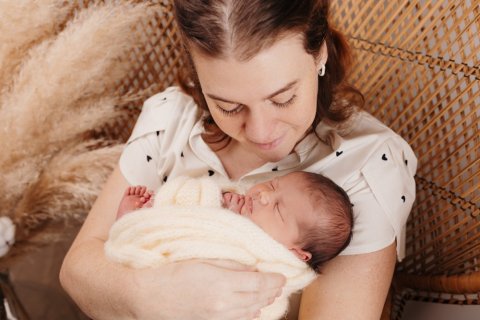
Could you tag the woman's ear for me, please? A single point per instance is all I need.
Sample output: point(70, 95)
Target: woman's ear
point(322, 58)
point(301, 254)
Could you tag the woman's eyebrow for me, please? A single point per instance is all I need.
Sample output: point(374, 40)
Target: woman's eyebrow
point(214, 97)
point(277, 92)
point(283, 89)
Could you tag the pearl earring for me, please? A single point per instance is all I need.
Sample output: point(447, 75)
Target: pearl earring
point(321, 71)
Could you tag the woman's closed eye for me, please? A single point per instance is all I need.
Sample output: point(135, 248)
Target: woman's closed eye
point(284, 103)
point(230, 111)
point(239, 107)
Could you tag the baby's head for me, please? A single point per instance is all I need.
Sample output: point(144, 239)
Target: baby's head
point(306, 212)
point(332, 230)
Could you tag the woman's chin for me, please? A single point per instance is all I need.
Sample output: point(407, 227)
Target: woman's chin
point(273, 155)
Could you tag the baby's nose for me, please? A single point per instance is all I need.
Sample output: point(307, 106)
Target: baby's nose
point(264, 198)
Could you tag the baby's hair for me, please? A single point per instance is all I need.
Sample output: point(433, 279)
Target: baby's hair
point(332, 231)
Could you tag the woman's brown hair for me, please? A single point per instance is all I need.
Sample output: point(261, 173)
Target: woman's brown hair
point(218, 28)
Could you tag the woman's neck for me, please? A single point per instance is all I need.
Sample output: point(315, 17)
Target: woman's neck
point(237, 161)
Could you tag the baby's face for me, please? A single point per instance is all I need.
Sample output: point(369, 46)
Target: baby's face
point(280, 207)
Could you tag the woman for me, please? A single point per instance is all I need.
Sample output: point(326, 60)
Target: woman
point(270, 79)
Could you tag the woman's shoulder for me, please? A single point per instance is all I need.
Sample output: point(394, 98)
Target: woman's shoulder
point(361, 140)
point(364, 124)
point(362, 131)
point(166, 110)
point(170, 96)
point(382, 142)
point(167, 106)
point(381, 179)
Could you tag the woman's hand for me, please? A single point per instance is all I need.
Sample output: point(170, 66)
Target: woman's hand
point(204, 290)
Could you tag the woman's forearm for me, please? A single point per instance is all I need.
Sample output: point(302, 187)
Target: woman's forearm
point(350, 287)
point(97, 285)
point(100, 288)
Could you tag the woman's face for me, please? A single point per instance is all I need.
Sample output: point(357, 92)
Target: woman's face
point(265, 104)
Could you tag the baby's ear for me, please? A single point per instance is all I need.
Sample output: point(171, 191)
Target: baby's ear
point(301, 254)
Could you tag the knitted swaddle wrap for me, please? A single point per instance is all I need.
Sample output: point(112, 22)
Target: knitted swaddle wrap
point(188, 222)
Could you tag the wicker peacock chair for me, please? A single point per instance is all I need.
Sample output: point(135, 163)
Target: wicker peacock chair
point(417, 63)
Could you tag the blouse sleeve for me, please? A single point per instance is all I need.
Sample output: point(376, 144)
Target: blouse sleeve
point(162, 126)
point(139, 161)
point(383, 194)
point(372, 231)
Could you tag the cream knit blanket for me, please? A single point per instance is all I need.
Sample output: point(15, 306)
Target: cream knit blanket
point(188, 222)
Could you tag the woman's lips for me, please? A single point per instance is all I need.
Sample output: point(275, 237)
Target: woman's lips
point(270, 145)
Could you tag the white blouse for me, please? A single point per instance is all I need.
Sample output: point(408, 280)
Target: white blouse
point(369, 161)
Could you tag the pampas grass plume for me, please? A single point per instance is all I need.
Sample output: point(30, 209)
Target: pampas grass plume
point(63, 88)
point(23, 170)
point(83, 61)
point(53, 99)
point(23, 24)
point(62, 195)
point(67, 186)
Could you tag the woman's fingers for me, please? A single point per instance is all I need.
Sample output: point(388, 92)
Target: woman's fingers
point(251, 291)
point(241, 314)
point(247, 305)
point(252, 308)
point(246, 280)
point(259, 282)
point(217, 289)
point(256, 301)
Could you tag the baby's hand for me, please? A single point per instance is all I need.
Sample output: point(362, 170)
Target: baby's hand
point(233, 201)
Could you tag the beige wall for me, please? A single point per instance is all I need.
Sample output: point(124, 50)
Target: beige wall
point(435, 311)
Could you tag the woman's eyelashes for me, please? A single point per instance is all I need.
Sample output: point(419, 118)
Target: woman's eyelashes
point(230, 112)
point(240, 107)
point(285, 103)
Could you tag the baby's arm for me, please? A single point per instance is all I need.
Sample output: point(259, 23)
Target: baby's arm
point(135, 197)
point(233, 201)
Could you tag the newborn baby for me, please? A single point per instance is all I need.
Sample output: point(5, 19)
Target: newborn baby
point(306, 212)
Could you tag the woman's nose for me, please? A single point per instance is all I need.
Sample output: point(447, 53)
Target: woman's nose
point(259, 127)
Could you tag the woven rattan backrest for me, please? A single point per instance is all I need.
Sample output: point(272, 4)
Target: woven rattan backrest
point(154, 66)
point(417, 63)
